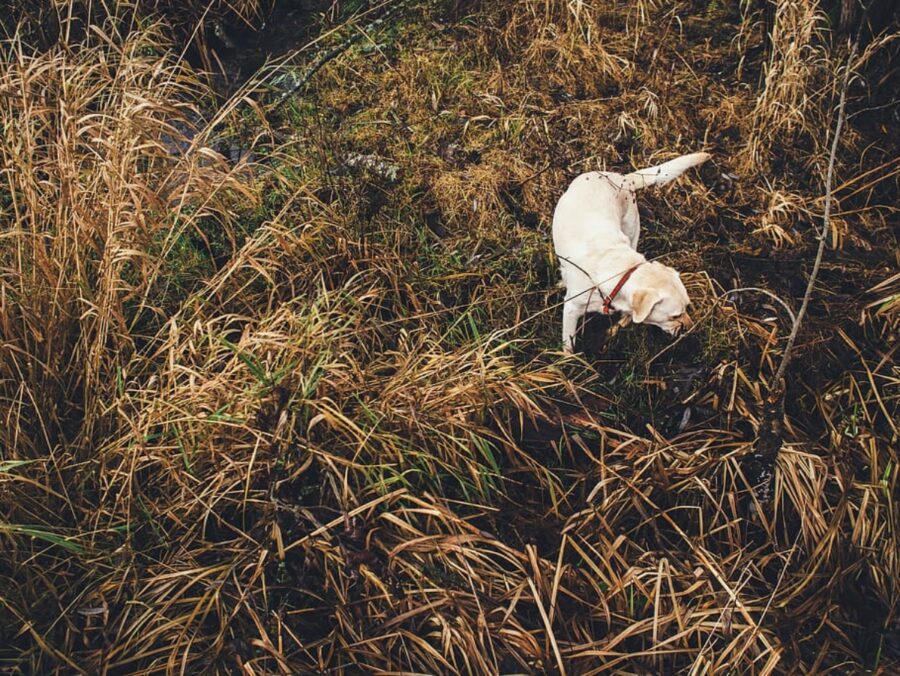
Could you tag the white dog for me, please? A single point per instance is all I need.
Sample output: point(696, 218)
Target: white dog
point(595, 233)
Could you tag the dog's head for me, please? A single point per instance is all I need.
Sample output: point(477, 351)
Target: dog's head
point(657, 296)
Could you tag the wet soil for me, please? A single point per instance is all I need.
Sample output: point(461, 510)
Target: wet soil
point(233, 50)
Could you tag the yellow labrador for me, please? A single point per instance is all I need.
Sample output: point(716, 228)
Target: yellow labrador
point(595, 233)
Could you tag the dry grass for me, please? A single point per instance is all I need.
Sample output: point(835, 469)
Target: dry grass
point(793, 83)
point(299, 415)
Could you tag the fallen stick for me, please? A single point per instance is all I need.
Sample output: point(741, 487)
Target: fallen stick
point(760, 465)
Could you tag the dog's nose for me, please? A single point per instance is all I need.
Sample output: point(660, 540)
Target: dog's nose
point(686, 321)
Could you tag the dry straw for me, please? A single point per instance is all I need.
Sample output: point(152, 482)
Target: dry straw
point(294, 417)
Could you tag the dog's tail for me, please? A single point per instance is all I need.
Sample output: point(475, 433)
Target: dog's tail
point(665, 172)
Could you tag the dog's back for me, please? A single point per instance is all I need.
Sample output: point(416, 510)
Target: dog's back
point(596, 204)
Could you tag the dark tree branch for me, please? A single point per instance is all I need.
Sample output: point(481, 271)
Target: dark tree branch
point(760, 466)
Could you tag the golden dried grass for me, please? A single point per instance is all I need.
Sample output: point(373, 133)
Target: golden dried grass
point(345, 446)
point(794, 80)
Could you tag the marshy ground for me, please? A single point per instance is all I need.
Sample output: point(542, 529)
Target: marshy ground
point(280, 386)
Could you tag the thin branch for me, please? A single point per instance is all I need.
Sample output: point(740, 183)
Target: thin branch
point(826, 218)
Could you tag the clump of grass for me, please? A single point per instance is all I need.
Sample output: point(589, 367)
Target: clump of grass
point(792, 87)
point(782, 213)
point(93, 183)
point(100, 183)
point(568, 37)
point(473, 196)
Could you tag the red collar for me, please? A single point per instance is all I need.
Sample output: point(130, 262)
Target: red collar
point(617, 288)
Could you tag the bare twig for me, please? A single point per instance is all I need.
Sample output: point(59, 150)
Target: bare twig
point(760, 464)
point(826, 219)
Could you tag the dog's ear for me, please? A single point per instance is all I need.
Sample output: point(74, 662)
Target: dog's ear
point(642, 302)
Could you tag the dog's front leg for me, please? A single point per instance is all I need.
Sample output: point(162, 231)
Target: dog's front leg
point(624, 321)
point(572, 312)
